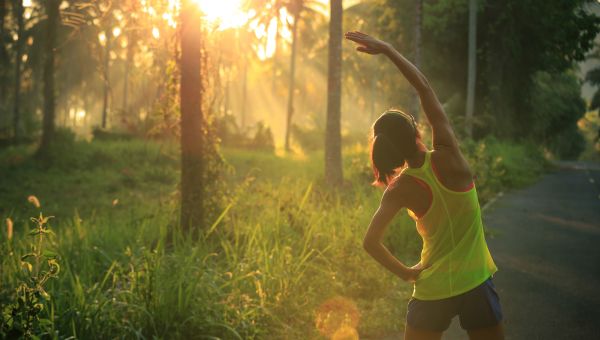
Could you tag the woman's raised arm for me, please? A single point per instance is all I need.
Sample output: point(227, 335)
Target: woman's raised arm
point(443, 135)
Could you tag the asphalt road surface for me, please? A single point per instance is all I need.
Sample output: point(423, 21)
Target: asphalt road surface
point(545, 240)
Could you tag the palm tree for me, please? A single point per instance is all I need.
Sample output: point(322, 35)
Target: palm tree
point(18, 11)
point(106, 75)
point(269, 10)
point(295, 8)
point(192, 129)
point(472, 67)
point(333, 139)
point(52, 13)
point(3, 58)
point(417, 58)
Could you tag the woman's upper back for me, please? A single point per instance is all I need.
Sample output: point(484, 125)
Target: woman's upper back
point(452, 232)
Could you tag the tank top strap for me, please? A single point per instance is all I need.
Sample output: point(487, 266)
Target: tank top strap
point(423, 172)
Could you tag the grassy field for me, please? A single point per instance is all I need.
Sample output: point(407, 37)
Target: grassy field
point(283, 260)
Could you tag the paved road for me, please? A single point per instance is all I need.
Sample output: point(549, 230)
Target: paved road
point(545, 240)
point(546, 243)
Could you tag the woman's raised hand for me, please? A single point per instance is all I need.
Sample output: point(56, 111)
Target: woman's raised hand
point(367, 44)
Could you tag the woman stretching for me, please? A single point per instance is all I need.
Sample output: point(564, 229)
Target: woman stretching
point(454, 274)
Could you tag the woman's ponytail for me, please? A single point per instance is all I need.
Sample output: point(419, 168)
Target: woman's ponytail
point(385, 158)
point(394, 140)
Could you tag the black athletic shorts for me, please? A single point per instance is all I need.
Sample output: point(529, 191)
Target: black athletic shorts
point(477, 308)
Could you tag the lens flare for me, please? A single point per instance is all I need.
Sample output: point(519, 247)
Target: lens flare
point(337, 318)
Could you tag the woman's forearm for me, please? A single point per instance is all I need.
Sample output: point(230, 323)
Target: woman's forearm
point(408, 70)
point(431, 104)
point(383, 256)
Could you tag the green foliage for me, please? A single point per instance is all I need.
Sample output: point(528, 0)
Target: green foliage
point(280, 248)
point(519, 44)
point(499, 165)
point(590, 127)
point(310, 139)
point(106, 135)
point(518, 40)
point(557, 106)
point(230, 134)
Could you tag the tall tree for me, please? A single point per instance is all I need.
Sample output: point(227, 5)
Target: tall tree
point(128, 65)
point(18, 10)
point(106, 75)
point(333, 137)
point(192, 129)
point(472, 67)
point(417, 51)
point(295, 8)
point(3, 59)
point(132, 36)
point(52, 20)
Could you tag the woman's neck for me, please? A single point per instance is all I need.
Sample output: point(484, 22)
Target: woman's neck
point(418, 159)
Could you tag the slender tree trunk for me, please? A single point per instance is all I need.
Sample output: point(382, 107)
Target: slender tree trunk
point(417, 61)
point(128, 63)
point(244, 110)
point(333, 137)
point(106, 78)
point(472, 68)
point(48, 127)
point(3, 63)
point(192, 129)
point(290, 107)
point(227, 100)
point(275, 57)
point(374, 78)
point(18, 56)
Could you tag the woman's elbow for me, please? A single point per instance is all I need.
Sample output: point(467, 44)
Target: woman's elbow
point(369, 245)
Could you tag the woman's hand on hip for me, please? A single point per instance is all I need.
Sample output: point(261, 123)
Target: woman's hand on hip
point(412, 273)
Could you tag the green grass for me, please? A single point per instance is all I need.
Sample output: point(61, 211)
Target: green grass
point(285, 248)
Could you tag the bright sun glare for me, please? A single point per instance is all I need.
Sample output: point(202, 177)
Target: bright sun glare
point(224, 13)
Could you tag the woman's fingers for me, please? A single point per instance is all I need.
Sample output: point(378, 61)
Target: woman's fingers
point(355, 38)
point(355, 34)
point(367, 50)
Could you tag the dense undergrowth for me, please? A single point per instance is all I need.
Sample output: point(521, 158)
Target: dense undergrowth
point(284, 259)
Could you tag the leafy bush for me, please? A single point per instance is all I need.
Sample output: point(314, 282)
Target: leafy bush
point(309, 139)
point(108, 135)
point(499, 165)
point(230, 134)
point(590, 127)
point(557, 106)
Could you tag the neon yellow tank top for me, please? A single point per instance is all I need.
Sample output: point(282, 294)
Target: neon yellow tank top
point(453, 240)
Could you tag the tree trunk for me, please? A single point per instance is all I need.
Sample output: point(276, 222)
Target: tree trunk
point(472, 67)
point(374, 78)
point(18, 56)
point(106, 77)
point(52, 13)
point(290, 107)
point(3, 63)
point(244, 109)
point(128, 63)
point(417, 61)
point(192, 130)
point(275, 59)
point(333, 137)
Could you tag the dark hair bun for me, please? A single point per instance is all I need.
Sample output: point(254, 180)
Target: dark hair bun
point(394, 141)
point(386, 155)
